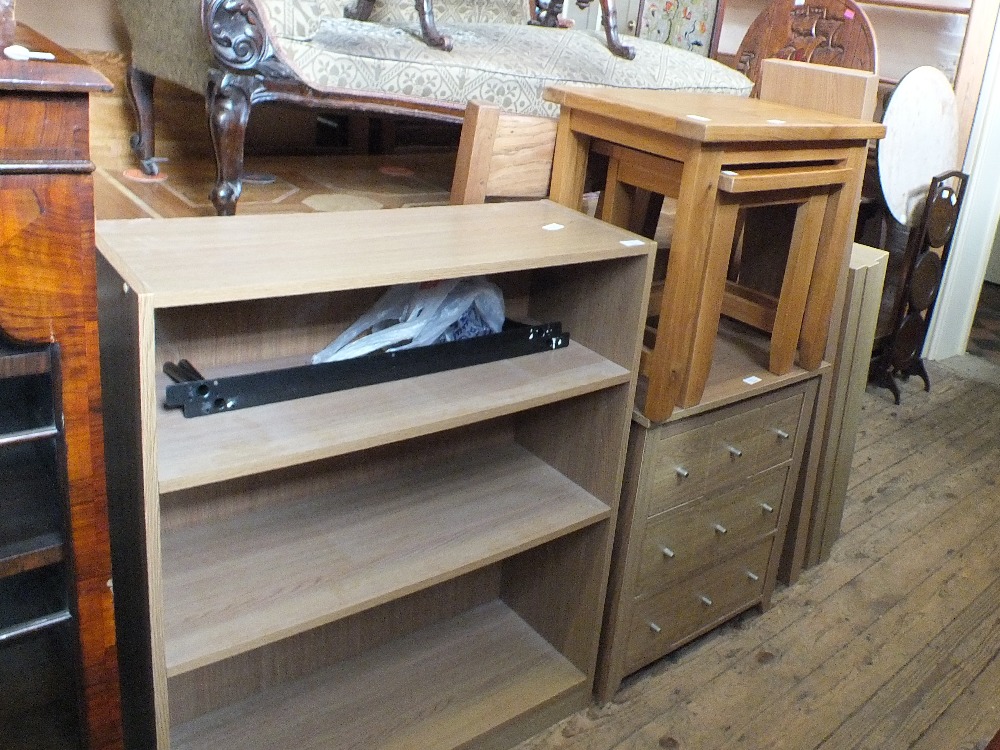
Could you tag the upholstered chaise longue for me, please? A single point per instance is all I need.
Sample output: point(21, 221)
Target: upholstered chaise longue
point(310, 52)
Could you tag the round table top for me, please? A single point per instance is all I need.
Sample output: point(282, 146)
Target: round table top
point(921, 140)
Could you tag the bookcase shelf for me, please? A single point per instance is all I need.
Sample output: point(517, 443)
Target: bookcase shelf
point(418, 563)
point(265, 575)
point(440, 687)
point(15, 363)
point(31, 524)
point(228, 445)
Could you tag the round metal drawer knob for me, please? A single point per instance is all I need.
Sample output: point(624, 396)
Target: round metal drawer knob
point(667, 552)
point(767, 508)
point(655, 628)
point(782, 435)
point(734, 451)
point(706, 601)
point(752, 576)
point(719, 528)
point(682, 472)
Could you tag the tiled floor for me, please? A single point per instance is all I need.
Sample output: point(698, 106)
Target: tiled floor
point(984, 341)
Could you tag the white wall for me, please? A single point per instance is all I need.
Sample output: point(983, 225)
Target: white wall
point(75, 24)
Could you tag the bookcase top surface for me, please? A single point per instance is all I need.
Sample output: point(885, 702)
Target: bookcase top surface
point(204, 260)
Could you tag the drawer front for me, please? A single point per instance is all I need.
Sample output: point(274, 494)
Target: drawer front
point(679, 469)
point(744, 444)
point(702, 531)
point(696, 604)
point(43, 129)
point(736, 444)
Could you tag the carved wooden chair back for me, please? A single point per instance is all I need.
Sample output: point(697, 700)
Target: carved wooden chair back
point(826, 32)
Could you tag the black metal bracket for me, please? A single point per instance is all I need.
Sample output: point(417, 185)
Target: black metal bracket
point(199, 396)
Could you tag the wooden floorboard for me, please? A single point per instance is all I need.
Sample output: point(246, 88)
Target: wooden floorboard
point(807, 684)
point(892, 643)
point(935, 465)
point(965, 716)
point(913, 699)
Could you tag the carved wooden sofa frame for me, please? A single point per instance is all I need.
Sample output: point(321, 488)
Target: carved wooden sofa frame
point(241, 53)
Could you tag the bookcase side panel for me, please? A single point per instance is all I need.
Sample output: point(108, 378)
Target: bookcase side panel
point(580, 438)
point(602, 304)
point(125, 435)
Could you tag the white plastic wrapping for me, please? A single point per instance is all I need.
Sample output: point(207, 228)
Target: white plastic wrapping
point(411, 315)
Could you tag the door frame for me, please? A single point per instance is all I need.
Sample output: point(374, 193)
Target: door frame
point(977, 223)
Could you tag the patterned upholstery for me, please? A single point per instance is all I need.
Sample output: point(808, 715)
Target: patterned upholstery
point(503, 64)
point(494, 59)
point(167, 40)
point(299, 19)
point(449, 13)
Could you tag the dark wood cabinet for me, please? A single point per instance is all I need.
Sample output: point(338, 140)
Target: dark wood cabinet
point(58, 662)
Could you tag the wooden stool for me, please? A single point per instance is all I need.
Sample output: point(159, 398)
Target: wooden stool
point(814, 190)
point(809, 187)
point(717, 154)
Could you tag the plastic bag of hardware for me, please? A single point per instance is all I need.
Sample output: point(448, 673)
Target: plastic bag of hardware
point(412, 315)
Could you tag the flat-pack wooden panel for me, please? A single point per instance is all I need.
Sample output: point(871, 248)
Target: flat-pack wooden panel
point(849, 379)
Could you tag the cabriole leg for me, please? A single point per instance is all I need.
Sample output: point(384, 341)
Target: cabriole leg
point(228, 103)
point(139, 85)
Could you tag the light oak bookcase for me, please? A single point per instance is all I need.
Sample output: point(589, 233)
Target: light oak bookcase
point(414, 564)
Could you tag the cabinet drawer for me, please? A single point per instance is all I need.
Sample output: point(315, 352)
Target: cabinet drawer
point(697, 604)
point(700, 532)
point(680, 468)
point(744, 444)
point(737, 443)
point(42, 128)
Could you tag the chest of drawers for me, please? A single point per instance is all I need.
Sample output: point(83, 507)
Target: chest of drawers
point(704, 512)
